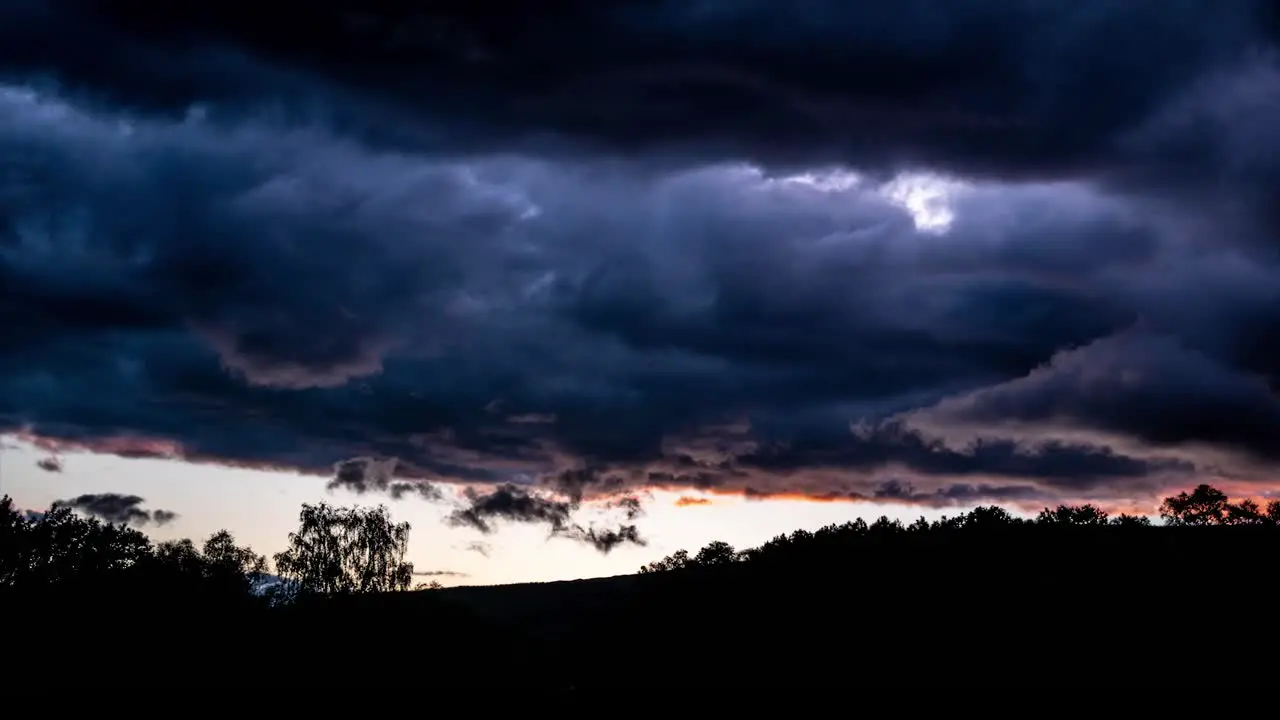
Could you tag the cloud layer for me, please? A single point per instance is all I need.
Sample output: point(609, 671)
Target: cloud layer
point(1021, 252)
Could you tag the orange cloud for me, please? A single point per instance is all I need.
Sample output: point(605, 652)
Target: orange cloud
point(686, 501)
point(753, 494)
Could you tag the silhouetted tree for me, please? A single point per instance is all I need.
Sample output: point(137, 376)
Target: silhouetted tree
point(675, 561)
point(13, 527)
point(883, 525)
point(52, 548)
point(338, 551)
point(949, 523)
point(220, 572)
point(1205, 505)
point(717, 552)
point(920, 525)
point(1073, 515)
point(178, 558)
point(1124, 520)
point(228, 563)
point(62, 546)
point(1245, 512)
point(988, 517)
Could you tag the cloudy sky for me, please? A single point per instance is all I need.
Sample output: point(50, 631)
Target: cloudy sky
point(533, 280)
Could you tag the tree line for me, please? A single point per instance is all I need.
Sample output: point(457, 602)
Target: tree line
point(338, 551)
point(334, 551)
point(90, 602)
point(1203, 506)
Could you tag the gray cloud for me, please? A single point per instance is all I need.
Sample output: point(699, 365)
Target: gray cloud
point(163, 517)
point(439, 573)
point(50, 464)
point(116, 508)
point(605, 540)
point(630, 506)
point(513, 503)
point(476, 546)
point(371, 475)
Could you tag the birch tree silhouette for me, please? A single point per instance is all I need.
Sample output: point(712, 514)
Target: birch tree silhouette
point(341, 551)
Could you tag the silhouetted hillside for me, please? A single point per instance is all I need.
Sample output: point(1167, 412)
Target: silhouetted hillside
point(1073, 598)
point(1094, 606)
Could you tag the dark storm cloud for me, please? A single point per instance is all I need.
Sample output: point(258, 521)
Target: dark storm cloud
point(994, 86)
point(893, 445)
point(960, 494)
point(516, 504)
point(524, 251)
point(115, 508)
point(605, 540)
point(371, 475)
point(576, 483)
point(512, 503)
point(1150, 387)
point(293, 303)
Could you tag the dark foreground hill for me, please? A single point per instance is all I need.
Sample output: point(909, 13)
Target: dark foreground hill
point(1019, 605)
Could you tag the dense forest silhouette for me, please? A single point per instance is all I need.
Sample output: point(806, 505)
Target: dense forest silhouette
point(1073, 596)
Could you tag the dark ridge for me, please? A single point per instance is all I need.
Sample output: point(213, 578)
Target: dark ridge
point(1071, 599)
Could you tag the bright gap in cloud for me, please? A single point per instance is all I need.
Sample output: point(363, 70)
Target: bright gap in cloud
point(827, 181)
point(929, 199)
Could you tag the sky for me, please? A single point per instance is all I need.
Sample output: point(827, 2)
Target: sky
point(529, 279)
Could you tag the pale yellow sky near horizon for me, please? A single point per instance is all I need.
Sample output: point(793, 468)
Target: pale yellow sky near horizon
point(260, 508)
